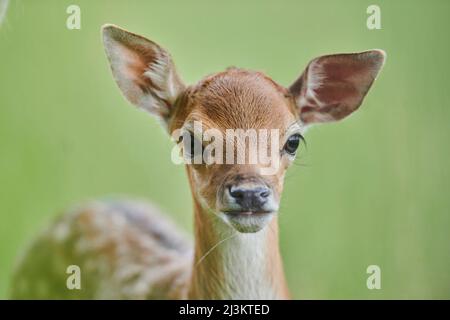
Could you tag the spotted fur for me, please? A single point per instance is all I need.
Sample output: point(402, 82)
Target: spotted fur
point(125, 250)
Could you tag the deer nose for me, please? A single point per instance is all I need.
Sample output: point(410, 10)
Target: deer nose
point(250, 198)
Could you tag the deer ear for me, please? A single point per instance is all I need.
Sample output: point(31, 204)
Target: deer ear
point(334, 86)
point(143, 70)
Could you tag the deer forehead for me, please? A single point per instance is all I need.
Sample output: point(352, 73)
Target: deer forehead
point(238, 99)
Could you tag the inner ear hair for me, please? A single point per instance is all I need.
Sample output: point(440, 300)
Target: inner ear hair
point(143, 70)
point(334, 86)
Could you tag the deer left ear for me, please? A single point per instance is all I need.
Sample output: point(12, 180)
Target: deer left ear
point(334, 86)
point(143, 70)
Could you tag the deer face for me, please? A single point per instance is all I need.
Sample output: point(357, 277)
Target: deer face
point(257, 116)
point(238, 129)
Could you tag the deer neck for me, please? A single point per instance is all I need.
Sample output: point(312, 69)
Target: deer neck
point(233, 265)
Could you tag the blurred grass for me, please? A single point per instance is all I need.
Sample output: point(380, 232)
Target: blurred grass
point(374, 189)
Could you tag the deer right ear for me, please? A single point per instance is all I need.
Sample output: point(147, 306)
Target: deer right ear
point(143, 71)
point(334, 86)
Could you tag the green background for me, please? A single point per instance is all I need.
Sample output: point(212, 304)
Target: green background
point(373, 189)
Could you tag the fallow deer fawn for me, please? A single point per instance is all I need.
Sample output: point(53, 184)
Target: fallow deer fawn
point(127, 250)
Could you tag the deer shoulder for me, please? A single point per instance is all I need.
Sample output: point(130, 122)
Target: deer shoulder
point(124, 250)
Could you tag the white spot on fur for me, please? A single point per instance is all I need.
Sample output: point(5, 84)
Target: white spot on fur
point(61, 232)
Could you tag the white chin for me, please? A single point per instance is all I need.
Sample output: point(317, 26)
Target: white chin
point(248, 223)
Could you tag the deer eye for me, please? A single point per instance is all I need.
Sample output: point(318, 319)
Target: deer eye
point(292, 143)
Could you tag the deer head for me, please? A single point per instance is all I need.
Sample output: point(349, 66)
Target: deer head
point(238, 195)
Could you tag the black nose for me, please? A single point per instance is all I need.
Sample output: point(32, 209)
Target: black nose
point(251, 199)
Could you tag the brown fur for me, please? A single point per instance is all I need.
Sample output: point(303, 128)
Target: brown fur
point(127, 248)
